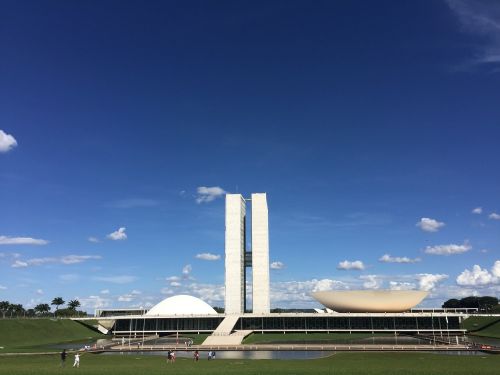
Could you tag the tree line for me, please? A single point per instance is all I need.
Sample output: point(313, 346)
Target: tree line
point(485, 303)
point(13, 310)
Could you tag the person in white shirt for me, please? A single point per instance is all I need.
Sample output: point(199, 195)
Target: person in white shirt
point(77, 360)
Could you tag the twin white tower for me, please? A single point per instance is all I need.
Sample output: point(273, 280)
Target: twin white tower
point(238, 258)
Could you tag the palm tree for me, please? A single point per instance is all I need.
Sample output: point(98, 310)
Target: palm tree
point(58, 301)
point(73, 304)
point(42, 308)
point(17, 310)
point(4, 307)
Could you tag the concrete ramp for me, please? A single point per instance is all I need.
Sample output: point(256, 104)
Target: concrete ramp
point(234, 338)
point(224, 335)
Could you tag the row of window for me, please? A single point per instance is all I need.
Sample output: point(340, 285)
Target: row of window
point(292, 323)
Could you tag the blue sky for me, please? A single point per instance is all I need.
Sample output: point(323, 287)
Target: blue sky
point(373, 128)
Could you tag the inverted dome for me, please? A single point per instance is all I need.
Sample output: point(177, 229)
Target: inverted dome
point(370, 300)
point(182, 305)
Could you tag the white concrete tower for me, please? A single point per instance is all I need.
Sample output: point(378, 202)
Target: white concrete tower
point(235, 253)
point(260, 254)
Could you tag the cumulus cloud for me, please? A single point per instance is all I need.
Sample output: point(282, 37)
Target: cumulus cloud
point(477, 210)
point(428, 281)
point(104, 291)
point(186, 272)
point(173, 278)
point(6, 240)
point(348, 265)
point(386, 258)
point(93, 239)
point(207, 256)
point(494, 216)
point(430, 225)
point(118, 235)
point(479, 276)
point(371, 281)
point(449, 249)
point(277, 265)
point(175, 284)
point(39, 291)
point(122, 279)
point(209, 194)
point(94, 302)
point(67, 259)
point(397, 285)
point(7, 141)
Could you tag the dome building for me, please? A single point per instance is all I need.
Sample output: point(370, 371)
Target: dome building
point(181, 305)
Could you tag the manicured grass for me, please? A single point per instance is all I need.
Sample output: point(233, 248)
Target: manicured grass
point(39, 334)
point(269, 338)
point(341, 363)
point(483, 326)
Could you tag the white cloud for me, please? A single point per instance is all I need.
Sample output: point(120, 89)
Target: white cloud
point(348, 265)
point(94, 302)
point(477, 210)
point(186, 271)
point(3, 287)
point(494, 216)
point(371, 281)
point(430, 225)
point(386, 258)
point(207, 256)
point(277, 265)
point(126, 298)
point(67, 259)
point(74, 259)
point(173, 278)
point(428, 281)
point(395, 285)
point(104, 291)
point(447, 249)
point(7, 141)
point(480, 18)
point(6, 240)
point(209, 194)
point(118, 235)
point(479, 276)
point(19, 264)
point(39, 291)
point(93, 239)
point(123, 279)
point(175, 284)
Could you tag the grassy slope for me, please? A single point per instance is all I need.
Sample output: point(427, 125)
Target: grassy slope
point(342, 363)
point(36, 334)
point(304, 338)
point(482, 326)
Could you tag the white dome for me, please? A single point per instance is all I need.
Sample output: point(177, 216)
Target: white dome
point(182, 305)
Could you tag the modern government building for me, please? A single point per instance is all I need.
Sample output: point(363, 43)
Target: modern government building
point(344, 311)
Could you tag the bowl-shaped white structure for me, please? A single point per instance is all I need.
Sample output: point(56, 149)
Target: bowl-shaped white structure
point(370, 300)
point(182, 305)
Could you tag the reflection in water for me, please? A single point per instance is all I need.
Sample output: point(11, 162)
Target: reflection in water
point(264, 354)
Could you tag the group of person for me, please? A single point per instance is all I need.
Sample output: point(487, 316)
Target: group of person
point(76, 363)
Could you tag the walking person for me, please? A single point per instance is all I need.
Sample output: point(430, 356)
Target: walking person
point(63, 358)
point(196, 356)
point(77, 360)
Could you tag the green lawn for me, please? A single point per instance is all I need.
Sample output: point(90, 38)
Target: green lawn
point(302, 338)
point(342, 363)
point(483, 326)
point(18, 335)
